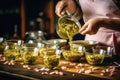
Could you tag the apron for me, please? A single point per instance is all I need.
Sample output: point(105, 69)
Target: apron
point(106, 9)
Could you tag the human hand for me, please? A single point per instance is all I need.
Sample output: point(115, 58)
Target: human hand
point(91, 26)
point(65, 5)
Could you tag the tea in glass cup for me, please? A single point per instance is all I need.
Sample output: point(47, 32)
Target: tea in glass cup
point(12, 50)
point(75, 54)
point(95, 56)
point(30, 55)
point(51, 60)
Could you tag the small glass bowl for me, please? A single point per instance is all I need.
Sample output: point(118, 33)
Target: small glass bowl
point(12, 50)
point(109, 53)
point(75, 54)
point(30, 55)
point(51, 60)
point(95, 56)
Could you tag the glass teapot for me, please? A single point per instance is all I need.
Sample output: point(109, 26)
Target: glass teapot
point(68, 26)
point(34, 36)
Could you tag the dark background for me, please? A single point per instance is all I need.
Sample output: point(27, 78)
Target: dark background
point(10, 15)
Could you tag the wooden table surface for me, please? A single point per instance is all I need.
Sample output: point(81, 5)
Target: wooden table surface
point(17, 72)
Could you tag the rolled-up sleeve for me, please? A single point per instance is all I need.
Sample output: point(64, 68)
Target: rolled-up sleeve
point(78, 13)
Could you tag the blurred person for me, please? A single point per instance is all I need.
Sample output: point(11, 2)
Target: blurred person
point(101, 18)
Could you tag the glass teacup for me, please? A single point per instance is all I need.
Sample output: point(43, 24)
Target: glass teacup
point(12, 50)
point(30, 55)
point(51, 60)
point(75, 54)
point(95, 56)
point(109, 53)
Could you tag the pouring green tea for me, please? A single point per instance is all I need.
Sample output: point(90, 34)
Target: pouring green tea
point(67, 27)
